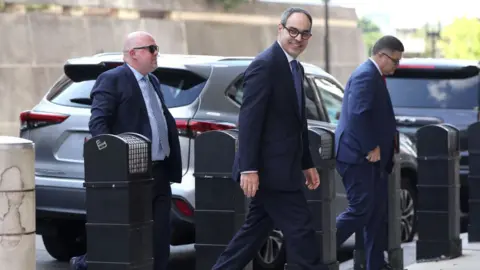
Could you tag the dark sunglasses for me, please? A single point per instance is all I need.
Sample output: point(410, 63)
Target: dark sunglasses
point(151, 48)
point(294, 32)
point(395, 61)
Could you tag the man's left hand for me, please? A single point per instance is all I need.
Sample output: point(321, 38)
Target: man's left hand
point(313, 179)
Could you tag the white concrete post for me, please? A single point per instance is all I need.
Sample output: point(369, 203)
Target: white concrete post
point(17, 204)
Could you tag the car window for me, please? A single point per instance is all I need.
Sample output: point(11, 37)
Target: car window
point(179, 88)
point(311, 106)
point(235, 93)
point(455, 93)
point(332, 97)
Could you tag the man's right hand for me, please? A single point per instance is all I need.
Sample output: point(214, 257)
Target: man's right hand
point(249, 183)
point(374, 155)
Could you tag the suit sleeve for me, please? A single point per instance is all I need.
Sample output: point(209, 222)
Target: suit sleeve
point(307, 161)
point(104, 104)
point(256, 92)
point(361, 101)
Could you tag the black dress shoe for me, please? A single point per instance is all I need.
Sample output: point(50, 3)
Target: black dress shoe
point(291, 267)
point(387, 266)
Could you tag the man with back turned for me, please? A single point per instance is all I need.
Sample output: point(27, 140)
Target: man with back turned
point(273, 161)
point(365, 140)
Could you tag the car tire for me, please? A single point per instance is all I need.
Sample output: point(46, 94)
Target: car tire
point(408, 206)
point(271, 255)
point(64, 246)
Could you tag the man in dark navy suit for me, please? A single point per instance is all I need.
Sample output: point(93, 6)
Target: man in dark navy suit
point(128, 99)
point(273, 161)
point(365, 139)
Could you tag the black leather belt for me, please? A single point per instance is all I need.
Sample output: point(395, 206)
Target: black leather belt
point(157, 162)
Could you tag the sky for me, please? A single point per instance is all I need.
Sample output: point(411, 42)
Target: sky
point(391, 14)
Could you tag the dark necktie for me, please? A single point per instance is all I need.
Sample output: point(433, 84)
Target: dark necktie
point(297, 80)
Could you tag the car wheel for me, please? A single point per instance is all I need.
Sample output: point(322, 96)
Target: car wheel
point(408, 208)
point(272, 254)
point(64, 246)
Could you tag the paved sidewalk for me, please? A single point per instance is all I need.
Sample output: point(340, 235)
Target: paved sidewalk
point(469, 260)
point(409, 256)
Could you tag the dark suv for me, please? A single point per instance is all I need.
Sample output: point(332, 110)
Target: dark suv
point(431, 91)
point(203, 93)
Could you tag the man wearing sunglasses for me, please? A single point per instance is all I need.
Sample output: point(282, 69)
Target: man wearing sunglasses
point(365, 140)
point(128, 99)
point(273, 161)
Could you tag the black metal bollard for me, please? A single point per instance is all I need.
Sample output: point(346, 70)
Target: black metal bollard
point(474, 182)
point(321, 200)
point(359, 259)
point(118, 182)
point(220, 205)
point(438, 193)
point(395, 251)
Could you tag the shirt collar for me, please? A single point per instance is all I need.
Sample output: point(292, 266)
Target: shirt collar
point(376, 65)
point(137, 74)
point(289, 57)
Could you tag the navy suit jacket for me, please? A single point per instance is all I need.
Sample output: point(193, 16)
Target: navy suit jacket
point(367, 119)
point(273, 135)
point(118, 106)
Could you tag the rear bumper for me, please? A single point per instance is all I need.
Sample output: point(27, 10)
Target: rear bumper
point(63, 200)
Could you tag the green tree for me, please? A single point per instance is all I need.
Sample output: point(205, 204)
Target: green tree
point(461, 39)
point(231, 4)
point(371, 33)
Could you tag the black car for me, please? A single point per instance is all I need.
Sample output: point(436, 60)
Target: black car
point(433, 91)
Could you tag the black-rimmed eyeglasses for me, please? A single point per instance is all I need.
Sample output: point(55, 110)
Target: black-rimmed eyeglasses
point(395, 61)
point(294, 32)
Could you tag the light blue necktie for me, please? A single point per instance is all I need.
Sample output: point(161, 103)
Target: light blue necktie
point(162, 129)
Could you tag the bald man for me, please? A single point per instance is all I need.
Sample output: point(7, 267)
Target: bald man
point(128, 98)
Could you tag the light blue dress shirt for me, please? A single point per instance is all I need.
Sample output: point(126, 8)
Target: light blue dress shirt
point(158, 152)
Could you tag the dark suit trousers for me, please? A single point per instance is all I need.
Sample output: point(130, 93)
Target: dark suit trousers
point(287, 211)
point(366, 187)
point(162, 197)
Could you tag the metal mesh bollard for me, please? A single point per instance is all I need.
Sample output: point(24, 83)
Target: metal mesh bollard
point(438, 193)
point(321, 200)
point(118, 182)
point(17, 203)
point(395, 251)
point(220, 205)
point(474, 182)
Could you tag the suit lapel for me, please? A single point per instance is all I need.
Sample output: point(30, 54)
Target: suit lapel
point(287, 76)
point(136, 91)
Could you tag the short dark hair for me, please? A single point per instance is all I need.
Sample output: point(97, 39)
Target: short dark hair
point(289, 11)
point(389, 43)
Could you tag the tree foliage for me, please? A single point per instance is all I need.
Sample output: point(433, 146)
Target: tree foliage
point(230, 4)
point(461, 39)
point(371, 33)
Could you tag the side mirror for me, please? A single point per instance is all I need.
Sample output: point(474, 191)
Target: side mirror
point(337, 116)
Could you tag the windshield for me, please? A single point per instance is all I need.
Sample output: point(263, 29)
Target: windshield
point(435, 93)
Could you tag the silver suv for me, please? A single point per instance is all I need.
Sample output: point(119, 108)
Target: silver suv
point(203, 93)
